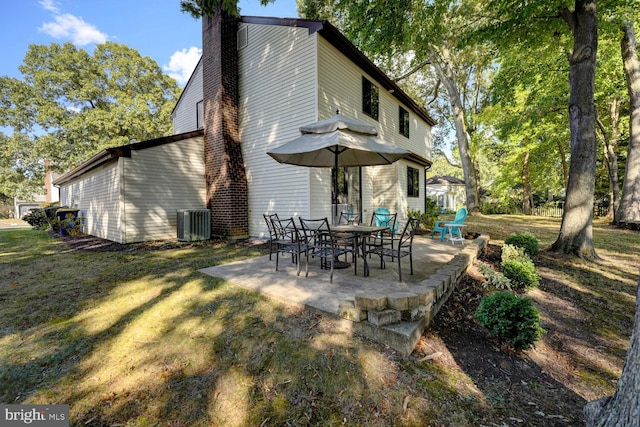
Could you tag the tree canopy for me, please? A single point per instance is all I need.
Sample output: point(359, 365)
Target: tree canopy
point(70, 104)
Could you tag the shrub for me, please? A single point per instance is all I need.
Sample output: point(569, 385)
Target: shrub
point(54, 222)
point(511, 318)
point(525, 240)
point(36, 218)
point(431, 212)
point(428, 218)
point(523, 275)
point(514, 253)
point(494, 278)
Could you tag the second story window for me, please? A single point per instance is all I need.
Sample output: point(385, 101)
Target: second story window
point(404, 122)
point(369, 98)
point(199, 115)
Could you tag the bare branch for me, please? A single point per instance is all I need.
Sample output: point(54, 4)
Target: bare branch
point(435, 92)
point(413, 70)
point(568, 17)
point(443, 154)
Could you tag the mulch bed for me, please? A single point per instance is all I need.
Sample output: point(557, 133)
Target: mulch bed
point(521, 391)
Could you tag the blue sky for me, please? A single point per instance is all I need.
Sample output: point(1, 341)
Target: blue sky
point(156, 28)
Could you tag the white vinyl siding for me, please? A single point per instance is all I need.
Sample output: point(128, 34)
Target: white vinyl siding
point(97, 195)
point(135, 199)
point(414, 203)
point(158, 181)
point(277, 96)
point(184, 115)
point(340, 87)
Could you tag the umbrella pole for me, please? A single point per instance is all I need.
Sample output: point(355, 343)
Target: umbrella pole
point(335, 186)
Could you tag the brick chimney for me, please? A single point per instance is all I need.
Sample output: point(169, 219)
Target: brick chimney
point(227, 189)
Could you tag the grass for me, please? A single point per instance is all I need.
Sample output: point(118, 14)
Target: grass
point(139, 338)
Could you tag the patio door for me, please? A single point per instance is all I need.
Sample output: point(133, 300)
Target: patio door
point(349, 190)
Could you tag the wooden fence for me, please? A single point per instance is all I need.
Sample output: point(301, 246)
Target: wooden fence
point(556, 212)
point(548, 211)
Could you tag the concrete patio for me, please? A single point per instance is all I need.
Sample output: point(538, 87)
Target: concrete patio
point(378, 307)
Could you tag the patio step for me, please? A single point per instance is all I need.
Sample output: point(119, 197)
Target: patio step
point(399, 318)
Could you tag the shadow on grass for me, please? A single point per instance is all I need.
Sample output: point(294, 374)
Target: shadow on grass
point(230, 357)
point(141, 338)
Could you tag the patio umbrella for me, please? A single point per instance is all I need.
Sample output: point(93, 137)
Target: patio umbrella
point(338, 141)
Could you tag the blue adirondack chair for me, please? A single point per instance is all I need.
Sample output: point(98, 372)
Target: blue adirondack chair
point(440, 227)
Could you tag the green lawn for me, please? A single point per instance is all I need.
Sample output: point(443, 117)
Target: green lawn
point(138, 337)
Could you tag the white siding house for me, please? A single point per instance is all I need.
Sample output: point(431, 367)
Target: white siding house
point(293, 73)
point(132, 193)
point(258, 82)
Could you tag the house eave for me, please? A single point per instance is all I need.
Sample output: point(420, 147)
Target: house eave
point(340, 42)
point(415, 158)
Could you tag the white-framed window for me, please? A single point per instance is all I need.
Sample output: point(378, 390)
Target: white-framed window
point(370, 100)
point(200, 115)
point(413, 182)
point(403, 118)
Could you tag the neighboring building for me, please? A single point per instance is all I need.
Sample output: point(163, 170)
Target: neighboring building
point(52, 195)
point(21, 207)
point(448, 191)
point(259, 81)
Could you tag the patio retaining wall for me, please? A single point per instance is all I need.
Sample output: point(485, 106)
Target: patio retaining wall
point(399, 319)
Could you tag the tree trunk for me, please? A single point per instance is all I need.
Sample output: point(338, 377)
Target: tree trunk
point(623, 408)
point(576, 233)
point(563, 161)
point(526, 190)
point(629, 209)
point(610, 140)
point(447, 77)
point(614, 112)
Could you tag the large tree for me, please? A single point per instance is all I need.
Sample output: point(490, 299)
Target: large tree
point(512, 21)
point(428, 33)
point(70, 104)
point(629, 209)
point(623, 408)
point(576, 234)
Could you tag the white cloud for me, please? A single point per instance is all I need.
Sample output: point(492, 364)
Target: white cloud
point(182, 63)
point(71, 27)
point(49, 5)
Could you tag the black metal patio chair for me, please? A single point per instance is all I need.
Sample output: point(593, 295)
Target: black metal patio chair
point(382, 218)
point(403, 247)
point(272, 233)
point(349, 218)
point(288, 241)
point(320, 242)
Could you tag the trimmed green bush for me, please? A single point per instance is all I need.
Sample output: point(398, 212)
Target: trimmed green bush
point(427, 219)
point(523, 275)
point(36, 218)
point(511, 318)
point(514, 253)
point(525, 240)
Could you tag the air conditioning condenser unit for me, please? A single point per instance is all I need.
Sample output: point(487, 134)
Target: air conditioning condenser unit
point(194, 224)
